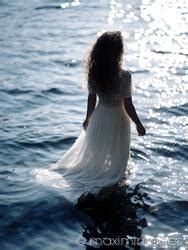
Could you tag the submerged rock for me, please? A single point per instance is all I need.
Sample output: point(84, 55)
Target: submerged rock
point(113, 212)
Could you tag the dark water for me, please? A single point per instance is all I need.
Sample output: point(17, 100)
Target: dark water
point(43, 105)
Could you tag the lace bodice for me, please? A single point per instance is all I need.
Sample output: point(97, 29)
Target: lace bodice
point(124, 89)
point(110, 100)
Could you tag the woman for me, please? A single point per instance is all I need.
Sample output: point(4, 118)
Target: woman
point(99, 156)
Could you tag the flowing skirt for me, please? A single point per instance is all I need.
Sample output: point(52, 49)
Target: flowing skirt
point(99, 156)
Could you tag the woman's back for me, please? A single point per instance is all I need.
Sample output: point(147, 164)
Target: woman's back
point(116, 98)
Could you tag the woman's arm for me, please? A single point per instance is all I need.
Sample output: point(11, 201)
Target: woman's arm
point(91, 102)
point(131, 111)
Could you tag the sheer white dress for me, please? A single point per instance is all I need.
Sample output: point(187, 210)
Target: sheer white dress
point(99, 156)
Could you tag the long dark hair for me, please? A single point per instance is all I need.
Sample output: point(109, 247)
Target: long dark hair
point(103, 66)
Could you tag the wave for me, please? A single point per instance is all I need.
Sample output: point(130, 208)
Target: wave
point(16, 91)
point(69, 63)
point(19, 91)
point(168, 52)
point(171, 150)
point(48, 7)
point(46, 143)
point(56, 91)
point(175, 110)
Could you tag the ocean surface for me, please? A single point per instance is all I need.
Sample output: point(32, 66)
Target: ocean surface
point(43, 46)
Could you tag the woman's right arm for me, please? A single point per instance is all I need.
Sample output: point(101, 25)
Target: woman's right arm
point(91, 102)
point(131, 111)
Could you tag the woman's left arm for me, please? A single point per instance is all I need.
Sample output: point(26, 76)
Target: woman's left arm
point(91, 102)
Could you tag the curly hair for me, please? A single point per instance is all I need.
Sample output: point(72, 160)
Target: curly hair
point(103, 64)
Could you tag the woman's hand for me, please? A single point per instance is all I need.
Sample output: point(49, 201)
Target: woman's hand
point(141, 130)
point(85, 123)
